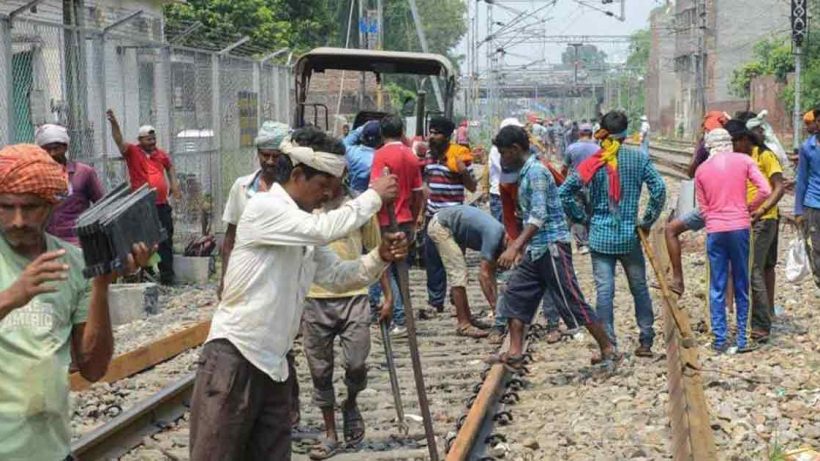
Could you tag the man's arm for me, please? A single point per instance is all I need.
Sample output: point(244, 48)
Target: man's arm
point(802, 181)
point(778, 189)
point(466, 176)
point(173, 181)
point(95, 188)
point(336, 275)
point(93, 341)
point(567, 193)
point(353, 137)
point(657, 195)
point(754, 175)
point(35, 280)
point(116, 133)
point(386, 311)
point(227, 248)
point(274, 224)
point(487, 280)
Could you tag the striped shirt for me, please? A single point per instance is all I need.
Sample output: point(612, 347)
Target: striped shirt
point(445, 187)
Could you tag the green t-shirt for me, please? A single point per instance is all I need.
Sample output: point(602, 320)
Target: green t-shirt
point(35, 344)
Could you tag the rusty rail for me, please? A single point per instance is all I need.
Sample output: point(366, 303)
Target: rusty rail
point(692, 437)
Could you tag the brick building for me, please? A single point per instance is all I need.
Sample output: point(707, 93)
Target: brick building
point(719, 33)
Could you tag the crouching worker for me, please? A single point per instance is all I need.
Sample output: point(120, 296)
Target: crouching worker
point(47, 310)
point(466, 226)
point(241, 399)
point(345, 314)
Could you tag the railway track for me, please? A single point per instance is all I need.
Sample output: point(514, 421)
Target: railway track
point(454, 370)
point(469, 400)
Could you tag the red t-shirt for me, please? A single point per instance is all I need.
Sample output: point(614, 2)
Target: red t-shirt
point(148, 168)
point(401, 161)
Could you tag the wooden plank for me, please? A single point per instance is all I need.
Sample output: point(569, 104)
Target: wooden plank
point(135, 361)
point(692, 437)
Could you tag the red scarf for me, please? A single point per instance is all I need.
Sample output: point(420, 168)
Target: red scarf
point(590, 166)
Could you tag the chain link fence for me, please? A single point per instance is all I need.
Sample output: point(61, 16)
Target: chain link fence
point(206, 103)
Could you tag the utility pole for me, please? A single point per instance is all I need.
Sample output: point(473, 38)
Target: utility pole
point(799, 26)
point(576, 46)
point(700, 14)
point(362, 45)
point(414, 9)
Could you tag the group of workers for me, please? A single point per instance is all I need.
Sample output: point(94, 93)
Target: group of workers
point(310, 249)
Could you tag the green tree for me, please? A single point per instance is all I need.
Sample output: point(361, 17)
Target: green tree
point(771, 57)
point(270, 24)
point(589, 56)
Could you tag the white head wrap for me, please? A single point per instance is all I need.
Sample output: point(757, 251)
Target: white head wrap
point(512, 121)
point(271, 135)
point(771, 139)
point(718, 141)
point(323, 161)
point(146, 130)
point(49, 133)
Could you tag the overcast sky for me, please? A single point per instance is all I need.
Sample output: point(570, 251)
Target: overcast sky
point(565, 17)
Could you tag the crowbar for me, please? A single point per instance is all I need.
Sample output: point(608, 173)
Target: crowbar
point(394, 379)
point(404, 287)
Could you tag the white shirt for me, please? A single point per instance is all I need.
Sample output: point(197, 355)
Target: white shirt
point(495, 170)
point(238, 197)
point(644, 130)
point(279, 253)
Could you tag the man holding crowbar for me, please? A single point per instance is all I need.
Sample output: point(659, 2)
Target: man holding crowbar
point(404, 288)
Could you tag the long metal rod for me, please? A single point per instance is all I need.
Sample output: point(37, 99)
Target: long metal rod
point(404, 287)
point(394, 379)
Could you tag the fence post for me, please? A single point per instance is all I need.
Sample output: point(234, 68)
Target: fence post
point(7, 83)
point(216, 122)
point(163, 94)
point(257, 89)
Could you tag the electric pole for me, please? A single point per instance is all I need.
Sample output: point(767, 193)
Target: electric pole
point(799, 26)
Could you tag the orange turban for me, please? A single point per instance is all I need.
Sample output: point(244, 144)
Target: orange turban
point(28, 169)
point(808, 117)
point(714, 119)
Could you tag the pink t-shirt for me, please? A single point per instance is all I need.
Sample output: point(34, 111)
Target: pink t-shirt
point(720, 184)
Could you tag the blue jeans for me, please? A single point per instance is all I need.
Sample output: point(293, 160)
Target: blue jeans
point(436, 276)
point(603, 270)
point(724, 248)
point(495, 207)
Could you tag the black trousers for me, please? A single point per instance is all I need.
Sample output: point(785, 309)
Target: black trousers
point(166, 247)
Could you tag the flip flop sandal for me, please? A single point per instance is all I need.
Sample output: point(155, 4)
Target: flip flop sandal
point(643, 351)
point(510, 362)
point(471, 331)
point(353, 425)
point(324, 449)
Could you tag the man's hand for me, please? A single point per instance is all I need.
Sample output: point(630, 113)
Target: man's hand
point(33, 281)
point(109, 114)
point(139, 257)
point(510, 257)
point(176, 193)
point(387, 187)
point(386, 311)
point(394, 247)
point(460, 165)
point(756, 215)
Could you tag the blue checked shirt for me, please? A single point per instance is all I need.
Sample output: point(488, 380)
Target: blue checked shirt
point(539, 205)
point(614, 233)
